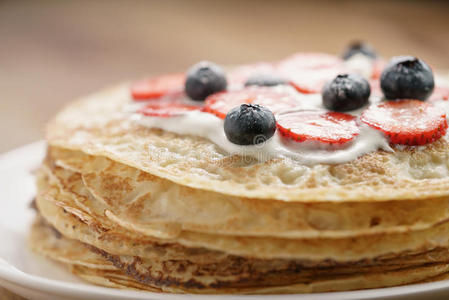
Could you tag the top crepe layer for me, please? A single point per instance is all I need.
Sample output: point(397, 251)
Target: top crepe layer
point(99, 125)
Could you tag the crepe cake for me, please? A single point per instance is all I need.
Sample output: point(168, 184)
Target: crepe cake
point(311, 174)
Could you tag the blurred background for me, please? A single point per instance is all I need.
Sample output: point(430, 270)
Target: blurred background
point(54, 51)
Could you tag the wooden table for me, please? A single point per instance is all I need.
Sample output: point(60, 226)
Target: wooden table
point(54, 51)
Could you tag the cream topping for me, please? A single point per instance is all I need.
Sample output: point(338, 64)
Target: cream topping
point(209, 126)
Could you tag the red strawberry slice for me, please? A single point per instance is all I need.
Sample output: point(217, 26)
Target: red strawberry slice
point(312, 81)
point(240, 74)
point(308, 72)
point(167, 109)
point(318, 125)
point(157, 87)
point(407, 122)
point(273, 98)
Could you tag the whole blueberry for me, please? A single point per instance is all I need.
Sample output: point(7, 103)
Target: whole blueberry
point(407, 77)
point(249, 124)
point(265, 80)
point(346, 92)
point(358, 47)
point(203, 79)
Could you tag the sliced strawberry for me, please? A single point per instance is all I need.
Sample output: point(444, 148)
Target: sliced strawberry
point(318, 125)
point(273, 98)
point(308, 72)
point(312, 82)
point(240, 74)
point(407, 122)
point(167, 109)
point(157, 87)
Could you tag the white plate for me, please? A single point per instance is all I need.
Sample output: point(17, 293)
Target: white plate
point(35, 277)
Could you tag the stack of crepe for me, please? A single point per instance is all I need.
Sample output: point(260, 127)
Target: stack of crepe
point(132, 207)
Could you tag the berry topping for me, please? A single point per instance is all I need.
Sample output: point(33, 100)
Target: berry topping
point(265, 80)
point(407, 77)
point(240, 74)
point(313, 82)
point(308, 72)
point(277, 101)
point(167, 109)
point(203, 79)
point(319, 126)
point(359, 47)
point(407, 122)
point(157, 87)
point(346, 92)
point(249, 124)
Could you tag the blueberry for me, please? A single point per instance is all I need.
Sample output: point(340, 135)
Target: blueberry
point(346, 92)
point(407, 77)
point(249, 124)
point(203, 79)
point(265, 80)
point(358, 47)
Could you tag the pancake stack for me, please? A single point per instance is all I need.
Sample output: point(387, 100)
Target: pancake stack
point(127, 206)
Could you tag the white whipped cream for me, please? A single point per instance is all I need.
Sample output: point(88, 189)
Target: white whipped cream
point(209, 126)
